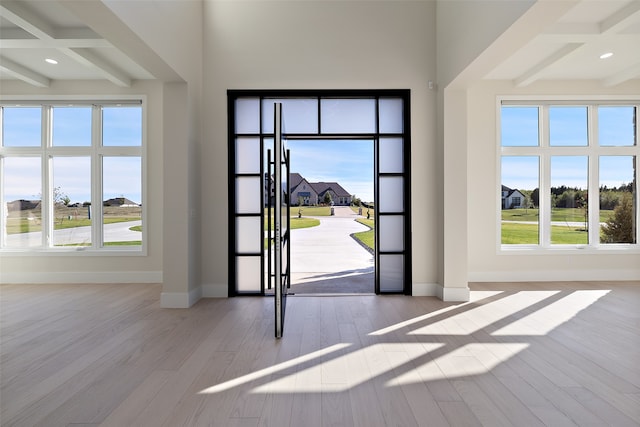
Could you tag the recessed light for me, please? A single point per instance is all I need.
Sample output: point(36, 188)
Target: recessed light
point(51, 61)
point(606, 55)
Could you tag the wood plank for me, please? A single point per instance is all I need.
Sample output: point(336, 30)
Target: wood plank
point(554, 353)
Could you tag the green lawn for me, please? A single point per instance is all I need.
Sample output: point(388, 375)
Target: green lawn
point(366, 237)
point(306, 211)
point(295, 224)
point(24, 225)
point(298, 223)
point(557, 214)
point(513, 233)
point(127, 243)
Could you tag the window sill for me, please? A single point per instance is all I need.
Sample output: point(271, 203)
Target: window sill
point(119, 251)
point(613, 249)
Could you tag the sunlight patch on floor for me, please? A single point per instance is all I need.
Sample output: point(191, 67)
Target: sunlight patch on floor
point(272, 370)
point(552, 315)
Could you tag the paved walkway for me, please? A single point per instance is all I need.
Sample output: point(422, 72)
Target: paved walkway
point(326, 259)
point(117, 232)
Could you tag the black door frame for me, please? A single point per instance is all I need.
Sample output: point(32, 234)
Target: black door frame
point(405, 175)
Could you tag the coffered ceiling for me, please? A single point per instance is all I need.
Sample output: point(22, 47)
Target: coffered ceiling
point(86, 47)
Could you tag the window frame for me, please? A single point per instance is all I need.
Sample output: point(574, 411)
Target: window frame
point(544, 151)
point(96, 152)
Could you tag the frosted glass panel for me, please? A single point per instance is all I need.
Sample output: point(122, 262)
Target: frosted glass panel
point(348, 115)
point(248, 234)
point(391, 152)
point(391, 273)
point(299, 115)
point(391, 194)
point(391, 233)
point(248, 195)
point(248, 115)
point(248, 155)
point(248, 274)
point(390, 111)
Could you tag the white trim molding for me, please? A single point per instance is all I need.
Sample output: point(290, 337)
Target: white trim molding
point(555, 275)
point(449, 294)
point(180, 299)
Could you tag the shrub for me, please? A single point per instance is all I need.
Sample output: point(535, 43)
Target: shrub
point(620, 228)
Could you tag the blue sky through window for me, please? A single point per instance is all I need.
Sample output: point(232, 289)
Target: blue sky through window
point(348, 162)
point(568, 126)
point(71, 127)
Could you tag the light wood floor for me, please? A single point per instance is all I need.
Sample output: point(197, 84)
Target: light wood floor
point(551, 354)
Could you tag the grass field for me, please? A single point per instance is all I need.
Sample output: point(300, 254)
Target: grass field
point(306, 211)
point(367, 237)
point(557, 215)
point(522, 234)
point(31, 220)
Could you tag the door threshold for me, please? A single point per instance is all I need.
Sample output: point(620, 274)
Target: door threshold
point(333, 294)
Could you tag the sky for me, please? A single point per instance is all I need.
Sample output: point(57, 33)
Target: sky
point(568, 127)
point(71, 127)
point(348, 162)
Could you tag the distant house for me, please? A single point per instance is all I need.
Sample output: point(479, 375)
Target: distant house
point(310, 193)
point(120, 202)
point(511, 198)
point(302, 190)
point(339, 196)
point(22, 205)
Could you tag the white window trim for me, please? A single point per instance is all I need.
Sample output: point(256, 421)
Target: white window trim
point(96, 151)
point(544, 152)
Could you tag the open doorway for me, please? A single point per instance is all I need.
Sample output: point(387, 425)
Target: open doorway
point(333, 222)
point(376, 119)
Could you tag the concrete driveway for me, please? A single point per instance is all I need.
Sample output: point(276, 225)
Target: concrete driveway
point(326, 259)
point(117, 232)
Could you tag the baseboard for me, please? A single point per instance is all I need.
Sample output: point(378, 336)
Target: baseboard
point(555, 275)
point(453, 294)
point(180, 299)
point(215, 291)
point(82, 277)
point(424, 289)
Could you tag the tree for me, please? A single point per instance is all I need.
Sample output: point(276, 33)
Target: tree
point(619, 228)
point(535, 197)
point(526, 202)
point(327, 198)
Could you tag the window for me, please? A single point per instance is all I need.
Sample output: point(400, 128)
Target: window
point(71, 176)
point(568, 174)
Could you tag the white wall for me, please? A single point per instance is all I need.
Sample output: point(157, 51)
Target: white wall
point(485, 264)
point(174, 31)
point(467, 27)
point(70, 267)
point(318, 45)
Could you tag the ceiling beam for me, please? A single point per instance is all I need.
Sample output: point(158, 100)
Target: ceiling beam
point(101, 19)
point(18, 71)
point(630, 73)
point(534, 72)
point(53, 43)
point(621, 19)
point(16, 12)
point(111, 73)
